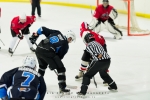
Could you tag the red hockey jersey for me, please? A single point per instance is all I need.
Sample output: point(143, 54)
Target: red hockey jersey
point(16, 25)
point(84, 27)
point(102, 13)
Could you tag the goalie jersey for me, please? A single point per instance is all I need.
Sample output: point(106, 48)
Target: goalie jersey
point(103, 13)
point(22, 83)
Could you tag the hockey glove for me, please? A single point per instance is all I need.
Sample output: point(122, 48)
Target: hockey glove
point(28, 25)
point(33, 38)
point(20, 36)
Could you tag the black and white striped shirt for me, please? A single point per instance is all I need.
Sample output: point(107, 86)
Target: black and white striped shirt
point(94, 48)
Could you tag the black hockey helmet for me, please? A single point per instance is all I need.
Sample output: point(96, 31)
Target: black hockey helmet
point(87, 37)
point(105, 1)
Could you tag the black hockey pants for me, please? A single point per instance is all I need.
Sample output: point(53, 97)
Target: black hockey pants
point(50, 59)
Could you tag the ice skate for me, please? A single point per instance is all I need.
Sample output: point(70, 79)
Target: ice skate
point(10, 50)
point(39, 16)
point(81, 95)
point(32, 49)
point(112, 86)
point(64, 91)
point(80, 75)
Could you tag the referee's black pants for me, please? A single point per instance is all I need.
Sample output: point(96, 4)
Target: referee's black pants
point(96, 66)
point(36, 4)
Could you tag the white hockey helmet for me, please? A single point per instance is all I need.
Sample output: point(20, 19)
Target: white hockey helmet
point(29, 62)
point(22, 17)
point(71, 34)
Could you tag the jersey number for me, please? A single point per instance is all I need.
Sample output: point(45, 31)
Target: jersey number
point(54, 39)
point(29, 78)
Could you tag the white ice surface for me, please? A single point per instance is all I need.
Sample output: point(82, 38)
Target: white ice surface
point(130, 64)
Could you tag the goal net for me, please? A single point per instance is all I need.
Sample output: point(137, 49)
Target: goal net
point(127, 20)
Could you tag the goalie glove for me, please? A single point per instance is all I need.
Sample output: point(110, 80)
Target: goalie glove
point(113, 14)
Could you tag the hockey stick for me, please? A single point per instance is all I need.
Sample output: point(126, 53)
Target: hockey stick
point(15, 48)
point(91, 10)
point(2, 42)
point(94, 81)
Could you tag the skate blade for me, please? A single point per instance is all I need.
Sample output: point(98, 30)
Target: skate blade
point(71, 87)
point(113, 90)
point(64, 93)
point(79, 79)
point(81, 96)
point(106, 84)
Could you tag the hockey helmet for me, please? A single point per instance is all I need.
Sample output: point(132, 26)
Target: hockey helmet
point(22, 17)
point(105, 1)
point(72, 35)
point(29, 62)
point(87, 36)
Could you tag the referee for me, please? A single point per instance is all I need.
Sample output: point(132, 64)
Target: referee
point(34, 4)
point(100, 63)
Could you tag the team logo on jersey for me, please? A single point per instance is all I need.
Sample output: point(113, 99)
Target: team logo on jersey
point(24, 89)
point(105, 15)
point(54, 39)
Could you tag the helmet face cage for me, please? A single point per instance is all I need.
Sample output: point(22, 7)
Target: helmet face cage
point(71, 35)
point(105, 3)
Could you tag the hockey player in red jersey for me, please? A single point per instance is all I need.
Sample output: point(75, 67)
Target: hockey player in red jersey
point(20, 28)
point(106, 14)
point(86, 57)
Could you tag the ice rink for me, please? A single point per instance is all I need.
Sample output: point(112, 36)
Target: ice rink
point(130, 57)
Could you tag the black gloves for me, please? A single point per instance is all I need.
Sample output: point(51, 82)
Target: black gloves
point(33, 38)
point(20, 36)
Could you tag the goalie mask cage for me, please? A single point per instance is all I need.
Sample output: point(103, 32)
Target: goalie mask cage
point(127, 21)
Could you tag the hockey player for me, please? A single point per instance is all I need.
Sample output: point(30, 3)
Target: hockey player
point(86, 58)
point(23, 83)
point(21, 23)
point(100, 63)
point(106, 14)
point(51, 51)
